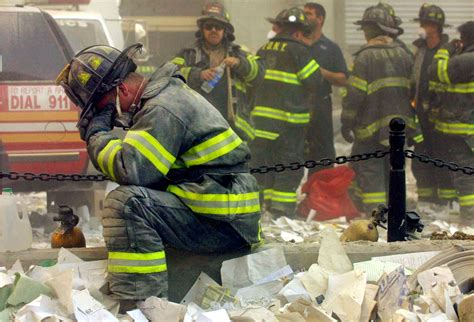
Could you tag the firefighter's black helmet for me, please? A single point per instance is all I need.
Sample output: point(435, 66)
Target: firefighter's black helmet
point(432, 13)
point(381, 17)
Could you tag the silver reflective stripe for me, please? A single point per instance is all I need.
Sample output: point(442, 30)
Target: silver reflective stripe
point(135, 263)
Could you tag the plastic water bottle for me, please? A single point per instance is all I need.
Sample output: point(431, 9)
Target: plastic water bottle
point(208, 86)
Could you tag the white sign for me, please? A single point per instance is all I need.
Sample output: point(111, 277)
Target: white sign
point(37, 97)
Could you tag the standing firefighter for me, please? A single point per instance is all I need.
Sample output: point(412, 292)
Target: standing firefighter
point(453, 67)
point(281, 112)
point(379, 90)
point(432, 189)
point(215, 50)
point(181, 168)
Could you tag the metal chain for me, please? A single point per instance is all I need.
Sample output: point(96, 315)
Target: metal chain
point(438, 162)
point(263, 169)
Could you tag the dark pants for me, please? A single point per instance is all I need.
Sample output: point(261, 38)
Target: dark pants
point(433, 185)
point(279, 189)
point(138, 223)
point(320, 134)
point(371, 176)
point(457, 150)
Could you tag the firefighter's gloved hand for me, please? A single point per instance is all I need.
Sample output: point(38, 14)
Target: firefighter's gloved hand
point(347, 134)
point(102, 120)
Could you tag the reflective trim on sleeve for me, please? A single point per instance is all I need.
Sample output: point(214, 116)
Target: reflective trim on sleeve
point(253, 68)
point(218, 204)
point(282, 77)
point(308, 70)
point(151, 149)
point(442, 54)
point(266, 135)
point(245, 127)
point(358, 83)
point(436, 87)
point(466, 200)
point(283, 196)
point(240, 86)
point(388, 82)
point(137, 263)
point(178, 61)
point(443, 71)
point(460, 88)
point(374, 198)
point(267, 194)
point(212, 148)
point(106, 157)
point(371, 129)
point(277, 114)
point(454, 128)
point(425, 192)
point(419, 138)
point(185, 71)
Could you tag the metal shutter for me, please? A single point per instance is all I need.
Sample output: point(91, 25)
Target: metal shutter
point(457, 12)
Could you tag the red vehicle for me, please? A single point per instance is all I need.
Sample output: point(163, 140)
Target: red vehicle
point(37, 120)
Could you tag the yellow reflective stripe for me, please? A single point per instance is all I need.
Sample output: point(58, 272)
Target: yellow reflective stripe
point(358, 83)
point(277, 114)
point(151, 149)
point(425, 192)
point(267, 194)
point(371, 129)
point(136, 263)
point(185, 71)
point(462, 88)
point(419, 138)
point(283, 77)
point(388, 82)
point(309, 69)
point(253, 68)
point(467, 200)
point(106, 157)
point(218, 204)
point(447, 194)
point(454, 128)
point(213, 148)
point(266, 135)
point(281, 196)
point(436, 86)
point(240, 86)
point(443, 71)
point(442, 54)
point(178, 61)
point(374, 197)
point(245, 127)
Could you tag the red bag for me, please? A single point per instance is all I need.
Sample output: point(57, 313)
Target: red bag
point(326, 192)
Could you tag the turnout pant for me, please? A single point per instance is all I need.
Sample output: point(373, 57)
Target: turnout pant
point(320, 134)
point(138, 223)
point(457, 150)
point(433, 185)
point(371, 176)
point(279, 188)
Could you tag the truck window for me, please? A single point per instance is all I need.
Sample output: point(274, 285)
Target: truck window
point(82, 33)
point(28, 48)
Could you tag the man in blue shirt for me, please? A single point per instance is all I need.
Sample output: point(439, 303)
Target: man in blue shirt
point(328, 54)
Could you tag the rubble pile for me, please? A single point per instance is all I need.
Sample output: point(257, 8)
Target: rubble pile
point(429, 286)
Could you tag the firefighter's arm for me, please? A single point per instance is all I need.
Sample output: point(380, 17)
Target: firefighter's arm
point(309, 71)
point(192, 74)
point(147, 153)
point(335, 78)
point(250, 69)
point(357, 89)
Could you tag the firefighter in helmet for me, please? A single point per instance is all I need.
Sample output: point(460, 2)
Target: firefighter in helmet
point(378, 90)
point(182, 170)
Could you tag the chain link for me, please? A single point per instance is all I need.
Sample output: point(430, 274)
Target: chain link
point(260, 170)
point(438, 162)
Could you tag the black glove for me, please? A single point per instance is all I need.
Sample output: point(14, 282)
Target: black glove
point(453, 47)
point(102, 120)
point(347, 134)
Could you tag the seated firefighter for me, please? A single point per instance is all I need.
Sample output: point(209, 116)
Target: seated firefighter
point(182, 170)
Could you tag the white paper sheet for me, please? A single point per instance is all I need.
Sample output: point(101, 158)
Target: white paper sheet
point(196, 292)
point(332, 256)
point(244, 271)
point(315, 280)
point(411, 260)
point(295, 290)
point(137, 316)
point(213, 316)
point(283, 272)
point(157, 309)
point(41, 308)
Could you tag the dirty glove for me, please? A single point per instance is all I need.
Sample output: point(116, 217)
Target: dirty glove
point(99, 121)
point(453, 47)
point(347, 134)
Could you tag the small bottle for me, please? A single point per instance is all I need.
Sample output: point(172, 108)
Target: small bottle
point(208, 86)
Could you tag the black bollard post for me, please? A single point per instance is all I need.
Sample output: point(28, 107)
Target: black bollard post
point(397, 225)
